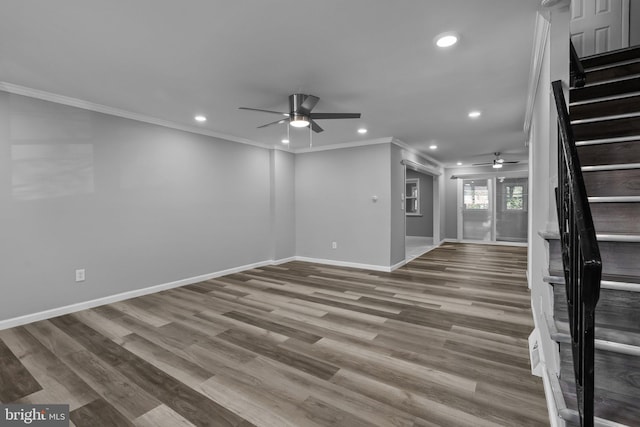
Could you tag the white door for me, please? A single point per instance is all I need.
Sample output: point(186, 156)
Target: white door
point(599, 25)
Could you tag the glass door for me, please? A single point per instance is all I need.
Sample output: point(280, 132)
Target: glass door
point(511, 209)
point(477, 209)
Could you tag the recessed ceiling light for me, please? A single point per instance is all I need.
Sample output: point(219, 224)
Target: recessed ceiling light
point(447, 39)
point(285, 141)
point(433, 147)
point(459, 163)
point(475, 114)
point(362, 130)
point(200, 119)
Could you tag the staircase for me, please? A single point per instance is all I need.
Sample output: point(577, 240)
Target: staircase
point(605, 117)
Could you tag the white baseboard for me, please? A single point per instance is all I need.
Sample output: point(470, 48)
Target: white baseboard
point(485, 242)
point(408, 260)
point(337, 263)
point(552, 408)
point(542, 368)
point(283, 260)
point(398, 265)
point(72, 308)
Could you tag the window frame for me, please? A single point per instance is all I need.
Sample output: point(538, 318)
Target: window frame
point(408, 198)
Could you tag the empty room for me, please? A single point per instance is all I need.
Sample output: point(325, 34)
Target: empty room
point(331, 213)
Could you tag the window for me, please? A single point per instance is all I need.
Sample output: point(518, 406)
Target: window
point(514, 197)
point(412, 196)
point(476, 195)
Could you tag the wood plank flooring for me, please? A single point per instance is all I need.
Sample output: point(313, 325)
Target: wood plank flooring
point(441, 341)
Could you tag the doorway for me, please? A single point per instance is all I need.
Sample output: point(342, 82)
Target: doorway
point(419, 212)
point(493, 209)
point(511, 210)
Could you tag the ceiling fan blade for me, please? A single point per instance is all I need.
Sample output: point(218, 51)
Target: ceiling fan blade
point(511, 162)
point(309, 102)
point(264, 111)
point(481, 164)
point(316, 128)
point(277, 122)
point(323, 116)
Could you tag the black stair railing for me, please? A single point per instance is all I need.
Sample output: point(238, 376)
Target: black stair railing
point(580, 258)
point(578, 76)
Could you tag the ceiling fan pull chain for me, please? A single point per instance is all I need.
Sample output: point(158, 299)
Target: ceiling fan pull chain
point(310, 135)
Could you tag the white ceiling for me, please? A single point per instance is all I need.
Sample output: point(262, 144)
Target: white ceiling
point(174, 59)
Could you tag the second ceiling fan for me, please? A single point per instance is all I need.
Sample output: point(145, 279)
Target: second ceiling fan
point(497, 162)
point(300, 115)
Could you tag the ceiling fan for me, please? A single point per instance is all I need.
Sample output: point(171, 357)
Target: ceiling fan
point(300, 115)
point(496, 163)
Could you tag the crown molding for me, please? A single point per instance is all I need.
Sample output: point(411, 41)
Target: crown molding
point(352, 144)
point(412, 150)
point(104, 109)
point(481, 175)
point(419, 167)
point(385, 140)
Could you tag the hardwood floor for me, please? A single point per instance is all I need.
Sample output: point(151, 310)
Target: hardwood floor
point(441, 341)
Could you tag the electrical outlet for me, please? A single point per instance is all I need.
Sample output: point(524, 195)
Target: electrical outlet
point(80, 275)
point(334, 245)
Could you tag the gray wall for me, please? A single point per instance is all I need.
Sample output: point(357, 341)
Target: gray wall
point(422, 225)
point(283, 213)
point(451, 192)
point(134, 204)
point(333, 191)
point(139, 205)
point(441, 195)
point(634, 22)
point(397, 206)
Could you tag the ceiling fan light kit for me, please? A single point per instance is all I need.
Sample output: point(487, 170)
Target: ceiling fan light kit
point(300, 115)
point(299, 120)
point(497, 163)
